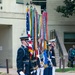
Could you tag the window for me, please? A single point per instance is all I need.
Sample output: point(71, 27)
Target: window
point(42, 3)
point(20, 1)
point(23, 1)
point(69, 37)
point(0, 1)
point(69, 40)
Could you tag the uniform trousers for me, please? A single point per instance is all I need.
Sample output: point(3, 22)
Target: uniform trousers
point(48, 71)
point(40, 71)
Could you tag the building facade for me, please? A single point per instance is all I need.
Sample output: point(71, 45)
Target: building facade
point(64, 26)
point(12, 25)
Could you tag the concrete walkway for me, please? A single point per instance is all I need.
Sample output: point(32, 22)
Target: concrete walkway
point(13, 72)
point(67, 73)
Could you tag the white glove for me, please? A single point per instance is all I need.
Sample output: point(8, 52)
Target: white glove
point(22, 73)
point(50, 61)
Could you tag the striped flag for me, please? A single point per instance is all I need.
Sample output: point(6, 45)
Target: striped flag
point(30, 44)
point(28, 32)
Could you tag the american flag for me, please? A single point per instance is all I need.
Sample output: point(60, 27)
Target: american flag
point(30, 44)
point(28, 32)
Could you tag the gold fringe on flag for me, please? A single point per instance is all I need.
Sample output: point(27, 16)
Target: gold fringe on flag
point(45, 44)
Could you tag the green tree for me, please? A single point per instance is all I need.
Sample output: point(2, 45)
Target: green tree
point(68, 9)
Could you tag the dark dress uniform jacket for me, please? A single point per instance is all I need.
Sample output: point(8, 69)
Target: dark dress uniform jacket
point(22, 55)
point(53, 54)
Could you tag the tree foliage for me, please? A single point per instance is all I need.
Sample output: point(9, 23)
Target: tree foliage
point(68, 9)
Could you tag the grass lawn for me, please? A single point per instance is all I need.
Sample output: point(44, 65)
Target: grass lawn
point(0, 72)
point(66, 70)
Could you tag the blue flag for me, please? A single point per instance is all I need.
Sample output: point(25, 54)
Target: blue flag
point(27, 23)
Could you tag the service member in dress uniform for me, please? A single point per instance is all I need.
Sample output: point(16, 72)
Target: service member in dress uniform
point(51, 69)
point(52, 46)
point(23, 55)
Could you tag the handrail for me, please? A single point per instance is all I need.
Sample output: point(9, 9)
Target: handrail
point(61, 44)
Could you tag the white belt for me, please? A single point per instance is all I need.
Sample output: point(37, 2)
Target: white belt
point(53, 56)
point(33, 71)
